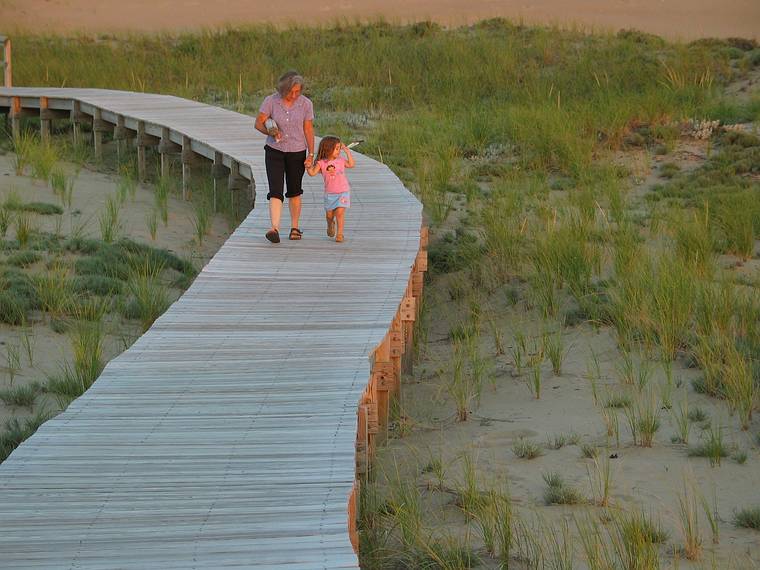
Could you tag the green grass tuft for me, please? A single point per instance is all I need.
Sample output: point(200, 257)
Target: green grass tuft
point(748, 518)
point(23, 258)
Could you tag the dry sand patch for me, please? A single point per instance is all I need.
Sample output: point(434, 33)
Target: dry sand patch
point(677, 19)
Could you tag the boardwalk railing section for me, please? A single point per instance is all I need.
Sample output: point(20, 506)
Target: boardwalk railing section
point(226, 141)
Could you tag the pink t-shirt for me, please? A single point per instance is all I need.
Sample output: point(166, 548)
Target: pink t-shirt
point(334, 173)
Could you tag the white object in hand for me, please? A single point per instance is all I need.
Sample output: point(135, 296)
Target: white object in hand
point(271, 126)
point(353, 144)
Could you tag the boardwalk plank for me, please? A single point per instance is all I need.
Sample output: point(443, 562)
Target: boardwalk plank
point(224, 437)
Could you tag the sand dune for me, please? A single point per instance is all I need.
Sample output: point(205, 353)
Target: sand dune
point(677, 19)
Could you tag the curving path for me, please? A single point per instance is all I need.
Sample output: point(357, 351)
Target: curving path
point(225, 437)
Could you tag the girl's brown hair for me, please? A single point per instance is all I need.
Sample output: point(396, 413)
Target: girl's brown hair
point(326, 147)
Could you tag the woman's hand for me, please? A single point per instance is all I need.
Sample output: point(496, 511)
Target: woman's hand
point(309, 160)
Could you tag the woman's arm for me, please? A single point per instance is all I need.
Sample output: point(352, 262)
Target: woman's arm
point(308, 130)
point(260, 120)
point(349, 157)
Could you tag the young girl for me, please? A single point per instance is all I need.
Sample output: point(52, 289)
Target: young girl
point(337, 191)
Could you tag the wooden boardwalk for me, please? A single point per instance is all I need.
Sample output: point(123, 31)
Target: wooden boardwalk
point(228, 435)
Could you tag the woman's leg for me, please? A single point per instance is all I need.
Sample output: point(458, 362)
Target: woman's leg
point(275, 213)
point(294, 171)
point(275, 165)
point(294, 205)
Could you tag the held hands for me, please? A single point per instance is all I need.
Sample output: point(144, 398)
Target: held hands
point(309, 161)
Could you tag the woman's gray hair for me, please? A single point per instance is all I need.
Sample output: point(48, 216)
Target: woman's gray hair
point(288, 81)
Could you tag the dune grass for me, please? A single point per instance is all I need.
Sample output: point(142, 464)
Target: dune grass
point(513, 122)
point(748, 518)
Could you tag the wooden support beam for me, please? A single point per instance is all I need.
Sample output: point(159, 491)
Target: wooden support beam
point(44, 120)
point(119, 135)
point(362, 442)
point(16, 112)
point(167, 147)
point(120, 130)
point(424, 237)
point(189, 158)
point(408, 314)
point(384, 383)
point(99, 126)
point(186, 162)
point(15, 115)
point(252, 193)
point(236, 181)
point(141, 166)
point(7, 62)
point(218, 172)
point(353, 516)
point(77, 117)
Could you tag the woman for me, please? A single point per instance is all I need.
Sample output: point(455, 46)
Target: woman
point(288, 139)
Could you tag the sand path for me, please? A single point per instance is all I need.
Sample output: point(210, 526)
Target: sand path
point(676, 19)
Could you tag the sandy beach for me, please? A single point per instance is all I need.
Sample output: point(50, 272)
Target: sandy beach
point(675, 19)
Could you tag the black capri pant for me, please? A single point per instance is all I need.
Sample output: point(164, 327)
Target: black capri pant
point(284, 167)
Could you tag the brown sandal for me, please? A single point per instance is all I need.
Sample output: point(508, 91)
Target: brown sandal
point(273, 236)
point(295, 234)
point(339, 238)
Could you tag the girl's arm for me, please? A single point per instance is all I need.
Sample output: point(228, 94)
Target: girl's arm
point(349, 157)
point(313, 168)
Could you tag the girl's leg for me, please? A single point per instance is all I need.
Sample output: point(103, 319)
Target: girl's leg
point(330, 216)
point(340, 215)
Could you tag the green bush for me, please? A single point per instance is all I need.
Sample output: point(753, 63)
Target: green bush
point(748, 518)
point(42, 208)
point(23, 258)
point(454, 251)
point(13, 308)
point(97, 285)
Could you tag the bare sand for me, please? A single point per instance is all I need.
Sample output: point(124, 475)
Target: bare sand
point(51, 350)
point(648, 479)
point(675, 19)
